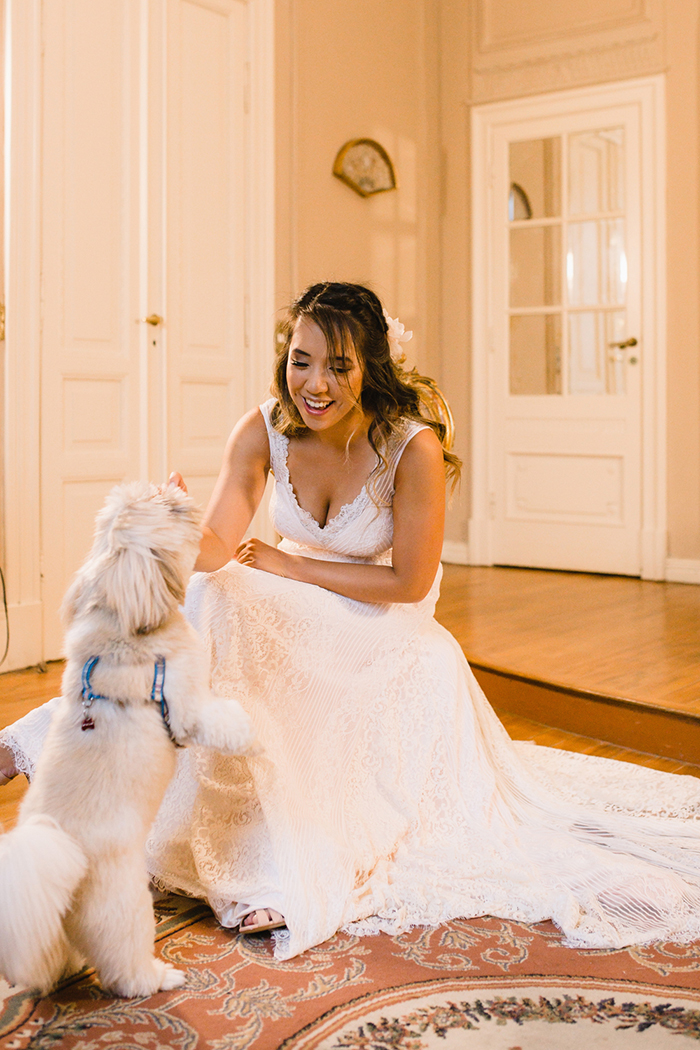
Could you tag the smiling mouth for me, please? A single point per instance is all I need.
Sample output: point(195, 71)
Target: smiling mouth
point(316, 406)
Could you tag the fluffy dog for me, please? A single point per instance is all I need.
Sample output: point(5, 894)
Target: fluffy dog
point(73, 882)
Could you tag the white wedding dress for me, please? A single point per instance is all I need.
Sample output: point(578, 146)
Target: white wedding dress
point(386, 792)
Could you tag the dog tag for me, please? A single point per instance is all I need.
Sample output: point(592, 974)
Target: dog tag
point(87, 723)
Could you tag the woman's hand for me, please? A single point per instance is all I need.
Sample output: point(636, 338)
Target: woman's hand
point(8, 769)
point(177, 479)
point(259, 555)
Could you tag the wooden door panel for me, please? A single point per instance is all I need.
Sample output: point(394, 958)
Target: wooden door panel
point(90, 393)
point(566, 362)
point(205, 236)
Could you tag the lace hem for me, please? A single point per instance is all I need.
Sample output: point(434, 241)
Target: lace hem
point(23, 763)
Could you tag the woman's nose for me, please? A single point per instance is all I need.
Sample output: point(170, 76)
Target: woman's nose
point(317, 381)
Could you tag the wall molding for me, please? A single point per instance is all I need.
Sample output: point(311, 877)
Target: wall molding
point(22, 253)
point(455, 553)
point(26, 626)
point(683, 570)
point(620, 48)
point(488, 39)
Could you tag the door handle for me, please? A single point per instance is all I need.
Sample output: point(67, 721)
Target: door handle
point(154, 319)
point(624, 344)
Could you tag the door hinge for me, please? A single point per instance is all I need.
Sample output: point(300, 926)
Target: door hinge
point(2, 322)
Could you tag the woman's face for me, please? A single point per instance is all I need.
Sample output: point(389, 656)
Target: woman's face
point(323, 396)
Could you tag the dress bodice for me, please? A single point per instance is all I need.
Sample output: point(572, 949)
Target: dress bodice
point(362, 529)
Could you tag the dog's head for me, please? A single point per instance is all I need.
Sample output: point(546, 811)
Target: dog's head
point(146, 544)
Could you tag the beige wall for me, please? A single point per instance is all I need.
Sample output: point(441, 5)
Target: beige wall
point(351, 69)
point(406, 72)
point(683, 223)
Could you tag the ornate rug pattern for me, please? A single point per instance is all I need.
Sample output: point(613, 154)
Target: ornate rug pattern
point(482, 984)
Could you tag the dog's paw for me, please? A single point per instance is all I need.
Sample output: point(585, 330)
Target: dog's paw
point(224, 726)
point(155, 976)
point(169, 977)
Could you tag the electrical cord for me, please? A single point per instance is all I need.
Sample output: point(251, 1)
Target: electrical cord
point(7, 618)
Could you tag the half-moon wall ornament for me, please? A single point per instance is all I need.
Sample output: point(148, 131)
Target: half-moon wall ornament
point(365, 166)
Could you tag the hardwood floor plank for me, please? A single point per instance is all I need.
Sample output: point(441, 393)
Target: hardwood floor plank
point(615, 635)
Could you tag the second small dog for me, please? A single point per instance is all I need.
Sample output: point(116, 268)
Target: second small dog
point(73, 882)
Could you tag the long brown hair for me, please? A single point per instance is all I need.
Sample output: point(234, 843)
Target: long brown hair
point(351, 316)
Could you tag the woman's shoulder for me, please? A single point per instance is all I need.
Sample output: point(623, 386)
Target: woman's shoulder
point(402, 433)
point(250, 436)
point(408, 426)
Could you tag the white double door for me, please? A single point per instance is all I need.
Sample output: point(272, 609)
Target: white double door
point(568, 398)
point(146, 213)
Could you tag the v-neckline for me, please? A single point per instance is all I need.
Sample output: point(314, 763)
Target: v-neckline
point(342, 512)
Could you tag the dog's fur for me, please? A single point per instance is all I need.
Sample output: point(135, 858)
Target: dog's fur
point(73, 882)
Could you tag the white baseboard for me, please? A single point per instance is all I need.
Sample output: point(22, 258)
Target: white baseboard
point(683, 570)
point(25, 636)
point(455, 553)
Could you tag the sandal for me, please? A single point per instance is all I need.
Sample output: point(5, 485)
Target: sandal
point(264, 919)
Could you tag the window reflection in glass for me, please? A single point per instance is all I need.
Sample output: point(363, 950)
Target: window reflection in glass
point(595, 366)
point(596, 263)
point(535, 354)
point(535, 166)
point(535, 266)
point(596, 171)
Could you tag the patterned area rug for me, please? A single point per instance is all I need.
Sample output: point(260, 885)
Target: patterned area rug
point(482, 984)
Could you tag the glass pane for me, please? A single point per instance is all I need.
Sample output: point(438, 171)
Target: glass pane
point(535, 171)
point(596, 263)
point(596, 171)
point(596, 367)
point(535, 354)
point(535, 266)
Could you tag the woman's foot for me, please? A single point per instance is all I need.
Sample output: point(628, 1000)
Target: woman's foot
point(260, 919)
point(8, 769)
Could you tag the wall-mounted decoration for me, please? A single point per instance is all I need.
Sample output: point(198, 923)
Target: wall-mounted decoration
point(365, 166)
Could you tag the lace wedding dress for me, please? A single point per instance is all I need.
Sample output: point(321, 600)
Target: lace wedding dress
point(386, 793)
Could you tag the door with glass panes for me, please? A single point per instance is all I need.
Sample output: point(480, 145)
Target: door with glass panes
point(565, 332)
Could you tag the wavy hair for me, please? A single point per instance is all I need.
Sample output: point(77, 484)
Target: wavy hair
point(351, 316)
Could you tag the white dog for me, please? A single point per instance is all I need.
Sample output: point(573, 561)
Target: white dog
point(73, 882)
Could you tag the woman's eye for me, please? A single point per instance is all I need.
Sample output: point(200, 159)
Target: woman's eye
point(299, 364)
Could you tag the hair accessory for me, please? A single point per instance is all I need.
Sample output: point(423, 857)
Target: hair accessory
point(397, 335)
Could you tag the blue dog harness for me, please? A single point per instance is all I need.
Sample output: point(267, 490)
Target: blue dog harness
point(157, 694)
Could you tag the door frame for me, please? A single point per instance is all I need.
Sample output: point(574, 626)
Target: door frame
point(21, 557)
point(648, 93)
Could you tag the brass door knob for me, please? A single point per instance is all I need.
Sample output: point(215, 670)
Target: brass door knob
point(625, 343)
point(154, 319)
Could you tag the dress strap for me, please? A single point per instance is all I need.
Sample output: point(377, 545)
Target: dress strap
point(278, 442)
point(407, 429)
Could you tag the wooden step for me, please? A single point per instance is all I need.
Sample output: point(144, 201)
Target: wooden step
point(615, 719)
point(610, 657)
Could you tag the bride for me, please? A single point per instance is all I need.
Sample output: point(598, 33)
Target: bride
point(386, 793)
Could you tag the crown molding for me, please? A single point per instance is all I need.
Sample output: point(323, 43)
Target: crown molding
point(618, 48)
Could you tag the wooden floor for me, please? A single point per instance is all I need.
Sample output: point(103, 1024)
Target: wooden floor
point(20, 692)
point(613, 635)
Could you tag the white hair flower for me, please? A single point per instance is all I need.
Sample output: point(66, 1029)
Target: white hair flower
point(397, 335)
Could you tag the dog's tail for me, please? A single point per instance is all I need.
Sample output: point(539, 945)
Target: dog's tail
point(40, 869)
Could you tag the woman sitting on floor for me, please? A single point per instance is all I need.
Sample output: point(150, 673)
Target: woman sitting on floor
point(387, 793)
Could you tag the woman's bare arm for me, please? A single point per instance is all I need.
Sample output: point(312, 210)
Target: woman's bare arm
point(237, 493)
point(419, 519)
